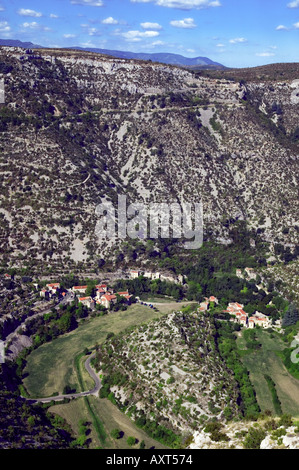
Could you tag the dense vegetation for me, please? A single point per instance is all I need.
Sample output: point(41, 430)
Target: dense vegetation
point(227, 346)
point(290, 355)
point(143, 285)
point(24, 425)
point(275, 399)
point(151, 427)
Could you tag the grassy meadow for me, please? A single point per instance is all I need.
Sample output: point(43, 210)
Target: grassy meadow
point(51, 366)
point(265, 361)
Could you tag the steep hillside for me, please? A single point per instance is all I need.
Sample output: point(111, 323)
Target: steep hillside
point(170, 372)
point(24, 425)
point(77, 128)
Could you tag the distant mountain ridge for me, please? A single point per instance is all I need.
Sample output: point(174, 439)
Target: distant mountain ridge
point(17, 43)
point(163, 57)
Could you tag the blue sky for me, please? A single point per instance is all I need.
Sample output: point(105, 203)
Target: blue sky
point(236, 33)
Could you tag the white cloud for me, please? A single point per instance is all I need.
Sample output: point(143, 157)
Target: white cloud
point(186, 23)
point(35, 26)
point(68, 36)
point(264, 54)
point(4, 27)
point(87, 44)
point(2, 8)
point(296, 25)
point(237, 40)
point(109, 20)
point(32, 25)
point(220, 45)
point(27, 12)
point(134, 36)
point(183, 4)
point(53, 16)
point(91, 3)
point(157, 43)
point(148, 25)
point(91, 31)
point(94, 32)
point(294, 4)
point(281, 27)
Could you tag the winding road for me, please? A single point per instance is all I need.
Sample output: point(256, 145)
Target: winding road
point(93, 391)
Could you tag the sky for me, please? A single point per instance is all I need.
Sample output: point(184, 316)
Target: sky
point(236, 33)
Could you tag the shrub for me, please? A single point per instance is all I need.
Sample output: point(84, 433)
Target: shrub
point(131, 441)
point(285, 420)
point(254, 438)
point(115, 433)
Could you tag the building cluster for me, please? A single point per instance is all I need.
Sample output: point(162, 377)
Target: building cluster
point(103, 295)
point(51, 291)
point(249, 273)
point(207, 303)
point(240, 316)
point(134, 274)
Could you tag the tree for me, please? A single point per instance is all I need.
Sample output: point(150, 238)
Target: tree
point(31, 422)
point(131, 441)
point(116, 433)
point(90, 291)
point(291, 316)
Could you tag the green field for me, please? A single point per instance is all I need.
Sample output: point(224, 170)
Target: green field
point(75, 411)
point(265, 361)
point(50, 367)
point(110, 416)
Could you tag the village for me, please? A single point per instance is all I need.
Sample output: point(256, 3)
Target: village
point(238, 314)
point(104, 296)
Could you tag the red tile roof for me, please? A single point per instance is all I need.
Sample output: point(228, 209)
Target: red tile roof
point(109, 297)
point(242, 312)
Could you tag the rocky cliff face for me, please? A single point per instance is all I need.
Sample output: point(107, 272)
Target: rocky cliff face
point(77, 128)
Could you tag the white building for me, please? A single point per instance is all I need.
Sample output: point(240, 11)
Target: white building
point(79, 289)
point(134, 274)
point(250, 273)
point(87, 301)
point(53, 288)
point(107, 300)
